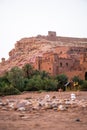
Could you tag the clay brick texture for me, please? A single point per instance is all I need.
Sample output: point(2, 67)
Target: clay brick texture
point(51, 53)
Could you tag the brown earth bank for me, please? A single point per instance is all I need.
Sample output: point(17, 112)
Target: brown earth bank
point(73, 118)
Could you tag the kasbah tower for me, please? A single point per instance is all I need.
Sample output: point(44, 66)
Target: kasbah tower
point(52, 53)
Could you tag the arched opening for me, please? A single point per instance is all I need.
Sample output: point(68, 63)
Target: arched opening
point(85, 75)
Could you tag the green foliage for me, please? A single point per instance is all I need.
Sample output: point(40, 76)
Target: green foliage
point(50, 84)
point(36, 72)
point(62, 80)
point(84, 86)
point(44, 74)
point(34, 84)
point(28, 71)
point(17, 80)
point(15, 77)
point(37, 84)
point(4, 80)
point(77, 79)
point(9, 90)
point(2, 84)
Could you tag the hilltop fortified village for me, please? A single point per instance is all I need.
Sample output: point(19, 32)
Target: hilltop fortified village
point(51, 53)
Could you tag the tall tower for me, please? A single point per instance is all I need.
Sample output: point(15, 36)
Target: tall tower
point(52, 36)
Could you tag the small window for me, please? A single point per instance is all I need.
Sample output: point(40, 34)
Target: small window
point(51, 35)
point(60, 64)
point(60, 52)
point(55, 60)
point(49, 68)
point(85, 75)
point(67, 64)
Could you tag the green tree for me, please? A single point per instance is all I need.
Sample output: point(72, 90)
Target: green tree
point(83, 87)
point(4, 80)
point(36, 72)
point(77, 79)
point(34, 84)
point(62, 80)
point(44, 74)
point(15, 77)
point(50, 84)
point(28, 71)
point(9, 90)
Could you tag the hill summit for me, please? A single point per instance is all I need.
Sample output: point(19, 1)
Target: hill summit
point(51, 53)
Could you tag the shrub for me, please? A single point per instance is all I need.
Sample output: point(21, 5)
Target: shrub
point(84, 86)
point(28, 71)
point(62, 80)
point(31, 86)
point(37, 84)
point(9, 90)
point(16, 79)
point(50, 84)
point(76, 79)
point(34, 84)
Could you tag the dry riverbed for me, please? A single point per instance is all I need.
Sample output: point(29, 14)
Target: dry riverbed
point(44, 111)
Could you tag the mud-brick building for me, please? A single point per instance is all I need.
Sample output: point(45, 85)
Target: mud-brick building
point(52, 53)
point(53, 64)
point(70, 60)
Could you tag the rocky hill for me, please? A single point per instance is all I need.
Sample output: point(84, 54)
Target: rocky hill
point(27, 49)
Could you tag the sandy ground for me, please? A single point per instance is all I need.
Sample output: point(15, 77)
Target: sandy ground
point(72, 119)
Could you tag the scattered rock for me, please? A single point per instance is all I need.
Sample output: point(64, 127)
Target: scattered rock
point(73, 96)
point(61, 108)
point(21, 109)
point(45, 103)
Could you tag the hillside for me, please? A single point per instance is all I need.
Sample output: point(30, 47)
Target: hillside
point(27, 49)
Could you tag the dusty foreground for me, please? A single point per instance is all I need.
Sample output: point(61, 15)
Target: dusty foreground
point(72, 117)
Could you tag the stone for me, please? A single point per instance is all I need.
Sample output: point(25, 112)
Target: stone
point(73, 96)
point(21, 109)
point(19, 104)
point(25, 117)
point(61, 108)
point(4, 108)
point(45, 103)
point(1, 103)
point(47, 97)
point(11, 105)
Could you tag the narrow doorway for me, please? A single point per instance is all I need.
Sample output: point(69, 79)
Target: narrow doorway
point(85, 75)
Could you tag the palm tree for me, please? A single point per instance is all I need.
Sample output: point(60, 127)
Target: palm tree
point(44, 74)
point(28, 71)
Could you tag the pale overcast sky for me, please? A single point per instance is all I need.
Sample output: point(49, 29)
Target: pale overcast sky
point(26, 18)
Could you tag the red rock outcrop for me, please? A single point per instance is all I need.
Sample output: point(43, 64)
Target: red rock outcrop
point(72, 51)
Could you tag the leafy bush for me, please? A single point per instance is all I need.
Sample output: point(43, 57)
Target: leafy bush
point(9, 90)
point(28, 71)
point(76, 79)
point(37, 84)
point(34, 84)
point(50, 84)
point(15, 77)
point(44, 74)
point(84, 86)
point(2, 84)
point(62, 80)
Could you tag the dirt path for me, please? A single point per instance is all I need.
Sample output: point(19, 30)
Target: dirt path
point(71, 119)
